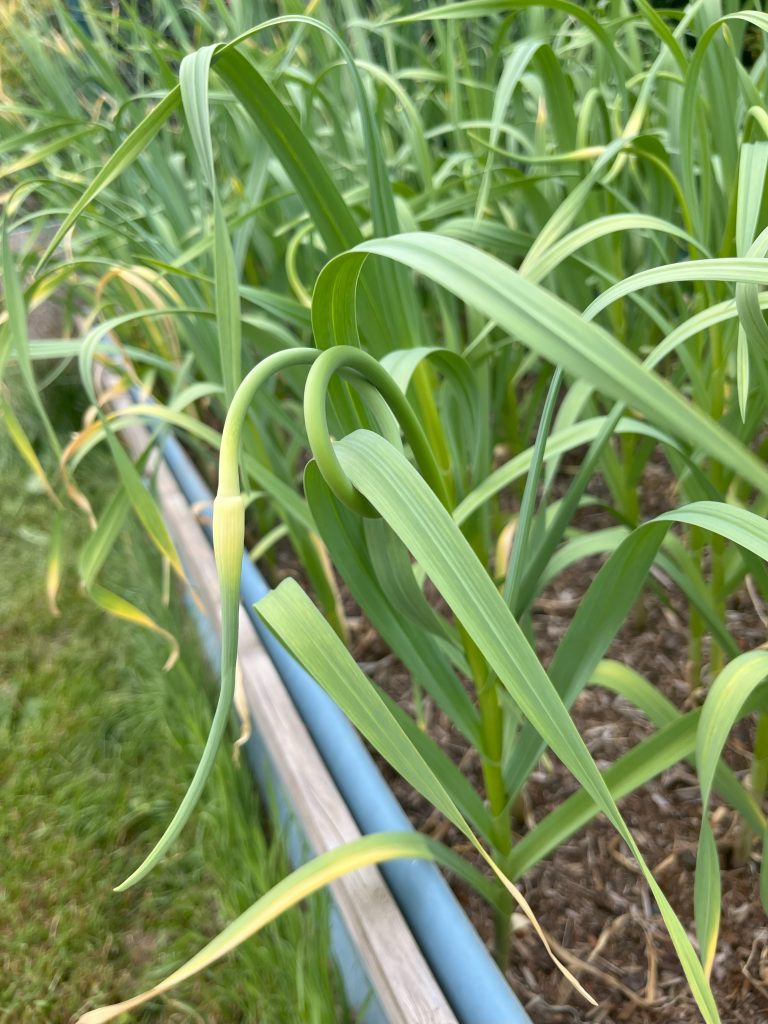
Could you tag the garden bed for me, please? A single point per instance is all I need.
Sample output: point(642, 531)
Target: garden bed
point(588, 894)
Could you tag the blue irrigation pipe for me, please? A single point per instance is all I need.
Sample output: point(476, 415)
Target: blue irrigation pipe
point(470, 979)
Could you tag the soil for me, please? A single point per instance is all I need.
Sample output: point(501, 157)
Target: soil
point(589, 895)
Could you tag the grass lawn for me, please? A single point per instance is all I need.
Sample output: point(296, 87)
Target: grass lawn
point(97, 745)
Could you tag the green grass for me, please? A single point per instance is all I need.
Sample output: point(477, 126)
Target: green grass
point(97, 745)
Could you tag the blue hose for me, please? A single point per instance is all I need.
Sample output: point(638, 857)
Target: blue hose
point(473, 984)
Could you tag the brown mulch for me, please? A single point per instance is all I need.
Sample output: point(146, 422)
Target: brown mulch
point(589, 895)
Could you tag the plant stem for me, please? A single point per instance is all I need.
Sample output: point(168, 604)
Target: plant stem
point(758, 777)
point(696, 625)
point(492, 728)
point(717, 475)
